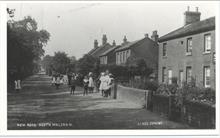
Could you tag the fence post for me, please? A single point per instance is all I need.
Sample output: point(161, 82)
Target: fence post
point(170, 107)
point(149, 100)
point(115, 89)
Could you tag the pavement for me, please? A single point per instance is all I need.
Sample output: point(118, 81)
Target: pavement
point(39, 105)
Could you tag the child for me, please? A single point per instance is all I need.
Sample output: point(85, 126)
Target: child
point(57, 84)
point(72, 85)
point(85, 85)
point(91, 83)
point(102, 79)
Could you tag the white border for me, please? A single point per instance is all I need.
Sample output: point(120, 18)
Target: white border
point(3, 90)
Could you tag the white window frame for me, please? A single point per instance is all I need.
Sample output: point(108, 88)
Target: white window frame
point(170, 75)
point(164, 48)
point(181, 78)
point(164, 74)
point(207, 76)
point(188, 74)
point(189, 46)
point(207, 43)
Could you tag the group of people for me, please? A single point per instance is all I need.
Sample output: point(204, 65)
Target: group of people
point(88, 84)
point(102, 84)
point(105, 83)
point(58, 79)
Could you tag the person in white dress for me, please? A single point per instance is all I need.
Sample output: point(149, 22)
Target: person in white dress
point(65, 79)
point(101, 79)
point(106, 83)
point(91, 83)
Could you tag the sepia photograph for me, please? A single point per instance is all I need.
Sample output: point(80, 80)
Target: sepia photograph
point(111, 66)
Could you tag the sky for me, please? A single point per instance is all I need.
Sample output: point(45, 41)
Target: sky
point(74, 26)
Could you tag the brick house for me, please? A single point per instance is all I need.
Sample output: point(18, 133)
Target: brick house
point(189, 52)
point(98, 50)
point(108, 57)
point(145, 48)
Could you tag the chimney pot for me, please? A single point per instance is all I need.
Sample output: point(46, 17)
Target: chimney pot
point(125, 39)
point(95, 43)
point(113, 43)
point(146, 35)
point(104, 39)
point(154, 36)
point(188, 8)
point(192, 16)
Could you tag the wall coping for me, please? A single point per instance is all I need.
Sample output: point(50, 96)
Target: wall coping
point(130, 88)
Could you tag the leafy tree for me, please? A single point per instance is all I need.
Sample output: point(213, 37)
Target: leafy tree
point(60, 62)
point(72, 65)
point(25, 44)
point(88, 64)
point(47, 64)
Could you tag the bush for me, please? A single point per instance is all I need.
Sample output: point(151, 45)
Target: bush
point(163, 90)
point(151, 85)
point(189, 92)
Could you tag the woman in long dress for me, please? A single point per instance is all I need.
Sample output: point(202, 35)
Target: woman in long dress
point(102, 79)
point(105, 84)
point(91, 83)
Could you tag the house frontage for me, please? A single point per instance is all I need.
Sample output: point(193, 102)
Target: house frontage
point(146, 48)
point(108, 57)
point(100, 49)
point(188, 53)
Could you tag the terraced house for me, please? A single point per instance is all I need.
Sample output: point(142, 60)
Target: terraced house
point(145, 48)
point(189, 52)
point(108, 57)
point(99, 49)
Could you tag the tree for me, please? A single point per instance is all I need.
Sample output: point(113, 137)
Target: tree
point(60, 62)
point(72, 65)
point(24, 46)
point(47, 64)
point(88, 64)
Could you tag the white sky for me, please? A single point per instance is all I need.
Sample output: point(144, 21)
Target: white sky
point(80, 23)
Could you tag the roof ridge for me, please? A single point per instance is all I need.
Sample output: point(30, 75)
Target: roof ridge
point(193, 28)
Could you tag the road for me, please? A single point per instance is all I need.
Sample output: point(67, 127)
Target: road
point(40, 106)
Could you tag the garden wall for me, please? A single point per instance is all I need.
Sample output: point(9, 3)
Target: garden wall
point(136, 96)
point(198, 115)
point(160, 104)
point(192, 113)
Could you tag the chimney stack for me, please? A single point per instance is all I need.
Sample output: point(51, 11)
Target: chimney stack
point(197, 9)
point(125, 39)
point(146, 35)
point(104, 39)
point(113, 43)
point(188, 8)
point(95, 43)
point(154, 36)
point(191, 16)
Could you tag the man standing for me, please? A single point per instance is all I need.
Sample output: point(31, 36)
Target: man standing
point(72, 84)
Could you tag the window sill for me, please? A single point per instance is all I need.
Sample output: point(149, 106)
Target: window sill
point(164, 57)
point(207, 52)
point(188, 54)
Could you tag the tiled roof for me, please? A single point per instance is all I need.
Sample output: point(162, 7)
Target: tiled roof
point(134, 43)
point(98, 51)
point(109, 50)
point(92, 50)
point(190, 29)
